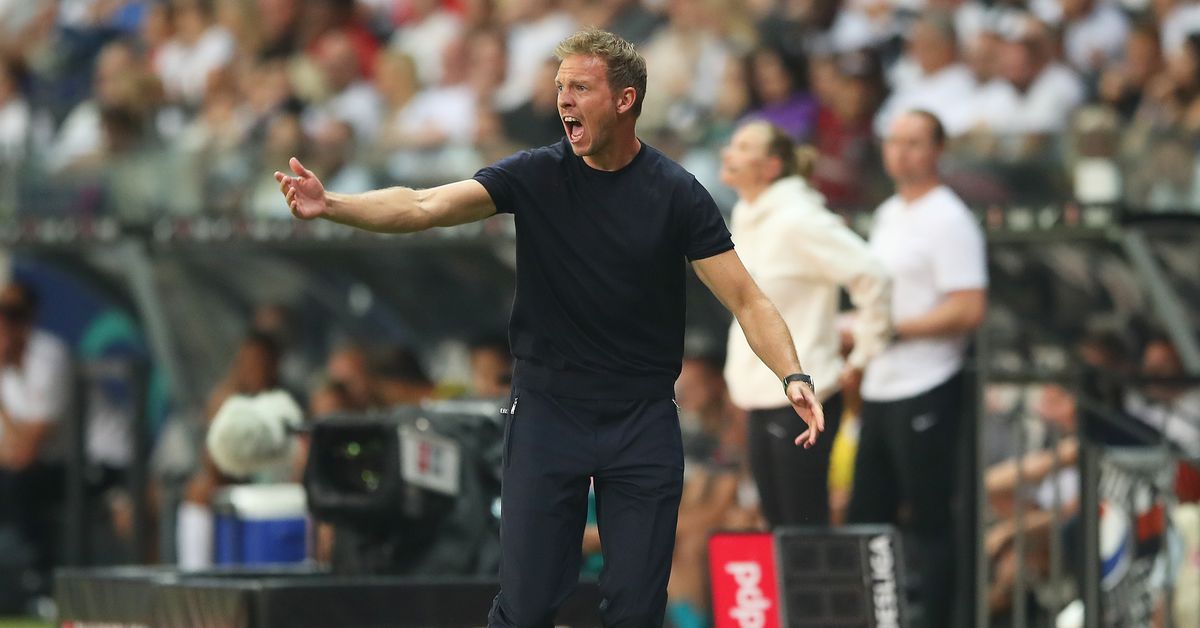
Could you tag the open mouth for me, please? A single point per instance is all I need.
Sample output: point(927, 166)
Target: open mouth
point(573, 127)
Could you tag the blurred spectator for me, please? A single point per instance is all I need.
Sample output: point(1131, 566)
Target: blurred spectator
point(981, 53)
point(397, 85)
point(479, 15)
point(348, 95)
point(212, 145)
point(914, 392)
point(931, 77)
point(1177, 19)
point(228, 67)
point(425, 35)
point(30, 34)
point(536, 123)
point(1093, 31)
point(350, 368)
point(333, 159)
point(1034, 93)
point(14, 112)
point(265, 88)
point(435, 130)
point(281, 324)
point(198, 47)
point(81, 134)
point(328, 398)
point(778, 96)
point(1104, 350)
point(1167, 180)
point(700, 393)
point(703, 159)
point(400, 379)
point(277, 20)
point(35, 383)
point(285, 138)
point(487, 63)
point(16, 16)
point(1123, 83)
point(155, 31)
point(491, 367)
point(255, 369)
point(628, 18)
point(850, 88)
point(240, 19)
point(817, 27)
point(1048, 478)
point(1171, 101)
point(1172, 409)
point(323, 20)
point(35, 394)
point(849, 29)
point(687, 58)
point(534, 29)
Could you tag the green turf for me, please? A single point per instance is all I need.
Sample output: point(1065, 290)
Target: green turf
point(17, 622)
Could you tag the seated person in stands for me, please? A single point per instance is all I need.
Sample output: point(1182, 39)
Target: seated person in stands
point(35, 388)
point(491, 367)
point(1051, 482)
point(400, 379)
point(1171, 409)
point(255, 370)
point(350, 369)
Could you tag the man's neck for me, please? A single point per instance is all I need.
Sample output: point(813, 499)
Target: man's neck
point(913, 191)
point(617, 155)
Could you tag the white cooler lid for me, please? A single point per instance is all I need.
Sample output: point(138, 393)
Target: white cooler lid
point(265, 501)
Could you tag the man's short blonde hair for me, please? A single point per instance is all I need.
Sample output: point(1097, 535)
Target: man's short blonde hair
point(626, 68)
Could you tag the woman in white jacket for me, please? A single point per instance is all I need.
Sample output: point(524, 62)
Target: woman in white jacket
point(801, 255)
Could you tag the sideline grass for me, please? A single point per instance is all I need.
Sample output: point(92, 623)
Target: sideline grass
point(17, 622)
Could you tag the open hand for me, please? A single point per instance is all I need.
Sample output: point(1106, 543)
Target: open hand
point(304, 193)
point(805, 402)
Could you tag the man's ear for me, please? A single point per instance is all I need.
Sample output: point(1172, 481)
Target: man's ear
point(626, 99)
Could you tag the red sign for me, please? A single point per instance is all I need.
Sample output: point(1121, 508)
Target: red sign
point(742, 570)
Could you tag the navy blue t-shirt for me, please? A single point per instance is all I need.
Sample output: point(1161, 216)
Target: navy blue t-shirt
point(601, 263)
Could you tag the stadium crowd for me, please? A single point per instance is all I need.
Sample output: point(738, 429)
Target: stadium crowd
point(146, 107)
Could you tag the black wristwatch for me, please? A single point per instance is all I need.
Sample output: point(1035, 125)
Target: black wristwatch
point(799, 377)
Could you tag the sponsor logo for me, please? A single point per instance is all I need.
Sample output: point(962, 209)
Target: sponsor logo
point(752, 605)
point(883, 582)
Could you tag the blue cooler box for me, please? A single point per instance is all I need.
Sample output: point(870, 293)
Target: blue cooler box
point(260, 524)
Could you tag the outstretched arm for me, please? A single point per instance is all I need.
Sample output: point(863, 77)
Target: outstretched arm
point(765, 330)
point(390, 210)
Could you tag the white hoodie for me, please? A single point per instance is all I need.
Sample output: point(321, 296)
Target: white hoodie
point(801, 254)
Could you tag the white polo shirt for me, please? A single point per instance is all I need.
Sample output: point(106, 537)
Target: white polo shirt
point(40, 390)
point(930, 248)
